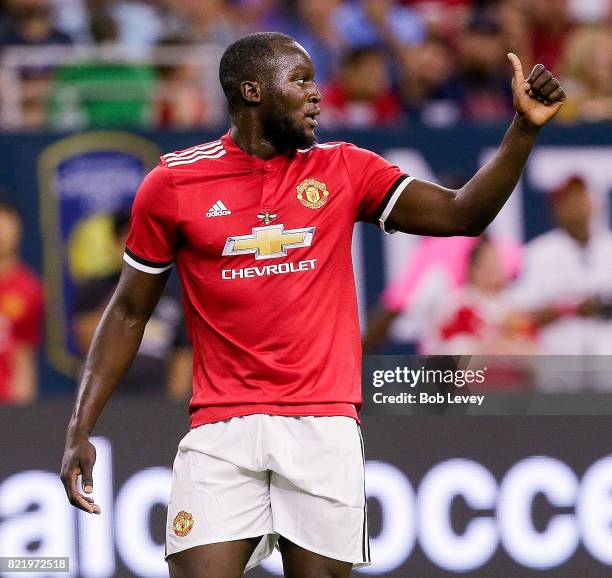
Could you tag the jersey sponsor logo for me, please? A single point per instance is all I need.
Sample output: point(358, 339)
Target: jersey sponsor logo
point(183, 523)
point(269, 242)
point(218, 210)
point(312, 193)
point(265, 270)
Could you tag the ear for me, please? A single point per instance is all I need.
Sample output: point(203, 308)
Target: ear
point(251, 91)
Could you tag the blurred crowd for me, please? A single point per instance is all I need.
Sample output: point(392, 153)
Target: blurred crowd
point(379, 62)
point(490, 296)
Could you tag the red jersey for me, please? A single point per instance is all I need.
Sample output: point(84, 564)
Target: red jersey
point(263, 252)
point(21, 309)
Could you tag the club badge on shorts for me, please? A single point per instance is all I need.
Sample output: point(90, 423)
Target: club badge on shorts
point(183, 522)
point(312, 193)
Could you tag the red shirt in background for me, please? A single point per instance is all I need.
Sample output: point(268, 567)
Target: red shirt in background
point(21, 310)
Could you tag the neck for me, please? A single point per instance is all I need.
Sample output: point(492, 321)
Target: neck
point(582, 238)
point(7, 262)
point(248, 133)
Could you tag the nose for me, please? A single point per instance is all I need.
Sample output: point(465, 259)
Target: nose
point(315, 96)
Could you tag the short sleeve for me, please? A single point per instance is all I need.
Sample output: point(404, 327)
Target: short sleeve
point(150, 245)
point(376, 183)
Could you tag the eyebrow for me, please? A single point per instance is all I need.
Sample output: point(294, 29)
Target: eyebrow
point(303, 68)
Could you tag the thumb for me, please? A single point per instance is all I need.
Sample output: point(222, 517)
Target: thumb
point(517, 67)
point(87, 477)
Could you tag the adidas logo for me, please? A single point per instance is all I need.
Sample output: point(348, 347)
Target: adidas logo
point(218, 210)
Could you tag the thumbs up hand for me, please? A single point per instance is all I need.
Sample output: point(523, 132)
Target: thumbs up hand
point(537, 98)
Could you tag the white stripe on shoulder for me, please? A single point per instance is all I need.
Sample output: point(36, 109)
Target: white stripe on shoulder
point(194, 153)
point(191, 150)
point(144, 268)
point(200, 157)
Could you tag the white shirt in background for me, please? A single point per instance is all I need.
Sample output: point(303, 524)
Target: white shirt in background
point(557, 269)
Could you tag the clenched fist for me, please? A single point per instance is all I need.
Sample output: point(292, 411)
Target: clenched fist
point(539, 97)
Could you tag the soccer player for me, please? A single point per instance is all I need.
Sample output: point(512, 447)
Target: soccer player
point(259, 224)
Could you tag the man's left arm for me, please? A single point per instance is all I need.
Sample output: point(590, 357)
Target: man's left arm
point(428, 209)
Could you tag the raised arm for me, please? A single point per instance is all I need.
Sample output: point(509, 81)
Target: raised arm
point(116, 342)
point(429, 209)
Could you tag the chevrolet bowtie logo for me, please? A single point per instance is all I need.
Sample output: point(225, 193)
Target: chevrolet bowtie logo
point(269, 242)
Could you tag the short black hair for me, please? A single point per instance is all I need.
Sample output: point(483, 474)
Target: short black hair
point(247, 59)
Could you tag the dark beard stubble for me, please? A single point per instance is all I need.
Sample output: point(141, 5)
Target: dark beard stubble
point(284, 133)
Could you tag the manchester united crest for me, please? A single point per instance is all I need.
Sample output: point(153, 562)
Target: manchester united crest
point(183, 522)
point(312, 193)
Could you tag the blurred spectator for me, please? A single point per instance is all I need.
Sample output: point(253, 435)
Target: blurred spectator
point(139, 22)
point(438, 267)
point(255, 15)
point(361, 95)
point(550, 25)
point(315, 24)
point(103, 93)
point(200, 21)
point(21, 310)
point(565, 270)
point(163, 362)
point(443, 18)
point(586, 71)
point(479, 318)
point(483, 73)
point(380, 22)
point(30, 23)
point(428, 85)
point(584, 11)
point(71, 17)
point(515, 30)
point(181, 102)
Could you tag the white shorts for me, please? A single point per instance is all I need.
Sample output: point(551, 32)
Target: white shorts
point(267, 475)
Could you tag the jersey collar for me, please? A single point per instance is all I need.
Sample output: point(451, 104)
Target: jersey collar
point(238, 155)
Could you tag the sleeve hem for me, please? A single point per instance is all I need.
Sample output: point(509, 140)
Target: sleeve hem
point(392, 198)
point(144, 265)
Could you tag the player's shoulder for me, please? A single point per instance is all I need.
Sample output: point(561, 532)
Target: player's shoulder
point(195, 156)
